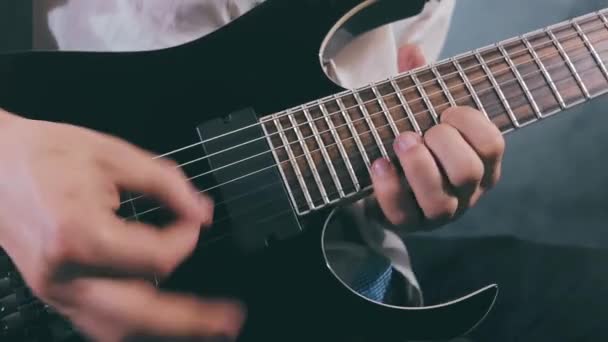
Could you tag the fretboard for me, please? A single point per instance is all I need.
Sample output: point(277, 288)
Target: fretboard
point(324, 149)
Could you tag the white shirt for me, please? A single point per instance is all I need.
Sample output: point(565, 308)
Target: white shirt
point(128, 25)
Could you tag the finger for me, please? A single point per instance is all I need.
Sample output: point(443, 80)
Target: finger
point(424, 177)
point(457, 158)
point(396, 203)
point(136, 249)
point(410, 57)
point(122, 311)
point(136, 170)
point(483, 136)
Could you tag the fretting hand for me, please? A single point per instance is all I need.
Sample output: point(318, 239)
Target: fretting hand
point(447, 169)
point(59, 188)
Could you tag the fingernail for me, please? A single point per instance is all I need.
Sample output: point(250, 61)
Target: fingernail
point(407, 141)
point(381, 167)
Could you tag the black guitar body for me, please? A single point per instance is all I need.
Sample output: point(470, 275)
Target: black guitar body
point(259, 250)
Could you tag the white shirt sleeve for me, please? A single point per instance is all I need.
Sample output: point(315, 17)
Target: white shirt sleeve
point(373, 56)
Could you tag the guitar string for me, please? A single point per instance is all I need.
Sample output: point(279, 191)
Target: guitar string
point(227, 217)
point(587, 54)
point(280, 213)
point(380, 113)
point(429, 67)
point(483, 49)
point(324, 168)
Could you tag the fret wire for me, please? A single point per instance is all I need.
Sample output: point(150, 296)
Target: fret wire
point(469, 86)
point(308, 157)
point(521, 81)
point(571, 66)
point(294, 164)
point(271, 166)
point(323, 148)
point(270, 120)
point(603, 18)
point(444, 87)
point(499, 91)
point(591, 48)
point(372, 127)
point(340, 145)
point(405, 106)
point(353, 131)
point(544, 71)
point(425, 98)
point(385, 110)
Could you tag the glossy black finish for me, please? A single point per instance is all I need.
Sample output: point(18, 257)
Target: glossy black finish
point(266, 60)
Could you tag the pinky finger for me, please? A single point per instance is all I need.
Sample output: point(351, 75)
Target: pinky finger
point(138, 311)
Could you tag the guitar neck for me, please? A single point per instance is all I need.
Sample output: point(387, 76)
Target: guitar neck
point(325, 148)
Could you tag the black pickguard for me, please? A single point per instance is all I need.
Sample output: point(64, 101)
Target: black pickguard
point(266, 61)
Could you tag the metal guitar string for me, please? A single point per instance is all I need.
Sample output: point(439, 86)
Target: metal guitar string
point(508, 69)
point(407, 118)
point(587, 54)
point(330, 98)
point(268, 218)
point(492, 105)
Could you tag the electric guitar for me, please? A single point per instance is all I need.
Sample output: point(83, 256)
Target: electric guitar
point(281, 148)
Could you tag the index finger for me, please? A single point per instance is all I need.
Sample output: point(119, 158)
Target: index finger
point(138, 171)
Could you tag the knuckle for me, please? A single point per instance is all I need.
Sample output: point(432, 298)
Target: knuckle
point(435, 132)
point(40, 285)
point(452, 114)
point(398, 218)
point(440, 210)
point(163, 267)
point(469, 174)
point(168, 163)
point(493, 148)
point(229, 324)
point(59, 246)
point(493, 180)
point(171, 169)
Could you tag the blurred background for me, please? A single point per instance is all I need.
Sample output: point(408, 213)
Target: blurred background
point(555, 182)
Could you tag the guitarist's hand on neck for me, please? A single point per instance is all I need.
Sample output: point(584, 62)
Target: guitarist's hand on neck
point(447, 169)
point(59, 188)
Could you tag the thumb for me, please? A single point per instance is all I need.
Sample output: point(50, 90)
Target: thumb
point(410, 57)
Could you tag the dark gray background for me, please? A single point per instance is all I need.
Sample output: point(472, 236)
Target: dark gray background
point(555, 185)
point(15, 24)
